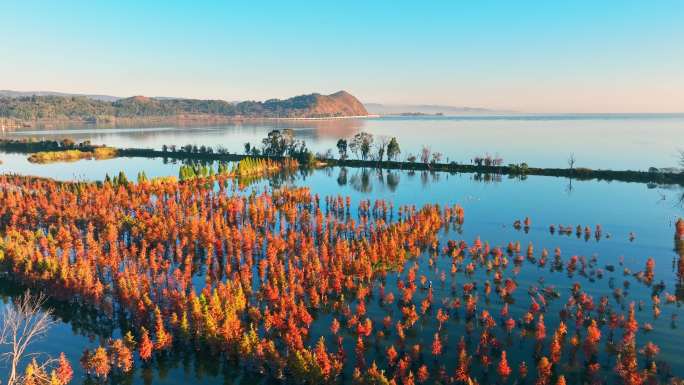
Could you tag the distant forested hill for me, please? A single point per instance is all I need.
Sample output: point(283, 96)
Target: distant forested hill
point(46, 108)
point(18, 94)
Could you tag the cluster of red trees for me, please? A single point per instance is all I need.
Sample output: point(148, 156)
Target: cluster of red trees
point(271, 263)
point(37, 374)
point(117, 356)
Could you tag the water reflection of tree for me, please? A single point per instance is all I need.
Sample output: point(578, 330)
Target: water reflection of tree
point(276, 180)
point(380, 176)
point(342, 177)
point(487, 177)
point(569, 187)
point(84, 319)
point(667, 192)
point(361, 181)
point(436, 176)
point(281, 179)
point(200, 364)
point(393, 178)
point(424, 178)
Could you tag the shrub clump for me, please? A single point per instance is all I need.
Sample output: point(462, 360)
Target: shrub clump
point(72, 155)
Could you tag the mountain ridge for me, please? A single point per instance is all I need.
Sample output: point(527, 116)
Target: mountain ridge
point(20, 94)
point(30, 107)
point(371, 108)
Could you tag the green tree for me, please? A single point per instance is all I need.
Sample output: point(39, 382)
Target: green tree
point(304, 368)
point(142, 177)
point(361, 144)
point(393, 149)
point(122, 180)
point(342, 148)
point(279, 142)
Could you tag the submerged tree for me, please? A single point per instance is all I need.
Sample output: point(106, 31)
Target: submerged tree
point(316, 257)
point(503, 369)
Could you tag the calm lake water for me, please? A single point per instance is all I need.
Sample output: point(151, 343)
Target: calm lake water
point(598, 141)
point(491, 206)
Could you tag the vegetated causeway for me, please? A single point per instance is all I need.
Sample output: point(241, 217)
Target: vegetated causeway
point(280, 145)
point(29, 111)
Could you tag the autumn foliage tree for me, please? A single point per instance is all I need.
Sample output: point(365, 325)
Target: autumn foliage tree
point(503, 369)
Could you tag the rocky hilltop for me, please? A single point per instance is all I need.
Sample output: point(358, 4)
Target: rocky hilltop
point(54, 109)
point(340, 103)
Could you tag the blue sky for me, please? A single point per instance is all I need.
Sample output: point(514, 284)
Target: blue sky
point(537, 56)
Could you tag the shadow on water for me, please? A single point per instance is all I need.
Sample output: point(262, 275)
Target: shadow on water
point(84, 319)
point(364, 180)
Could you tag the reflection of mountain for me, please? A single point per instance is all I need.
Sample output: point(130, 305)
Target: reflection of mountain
point(321, 129)
point(238, 132)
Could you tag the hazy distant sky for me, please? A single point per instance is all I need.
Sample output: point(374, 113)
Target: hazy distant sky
point(537, 56)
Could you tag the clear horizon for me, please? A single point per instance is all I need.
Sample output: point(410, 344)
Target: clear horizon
point(536, 57)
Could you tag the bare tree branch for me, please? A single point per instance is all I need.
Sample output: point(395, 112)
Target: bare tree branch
point(23, 322)
point(571, 161)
